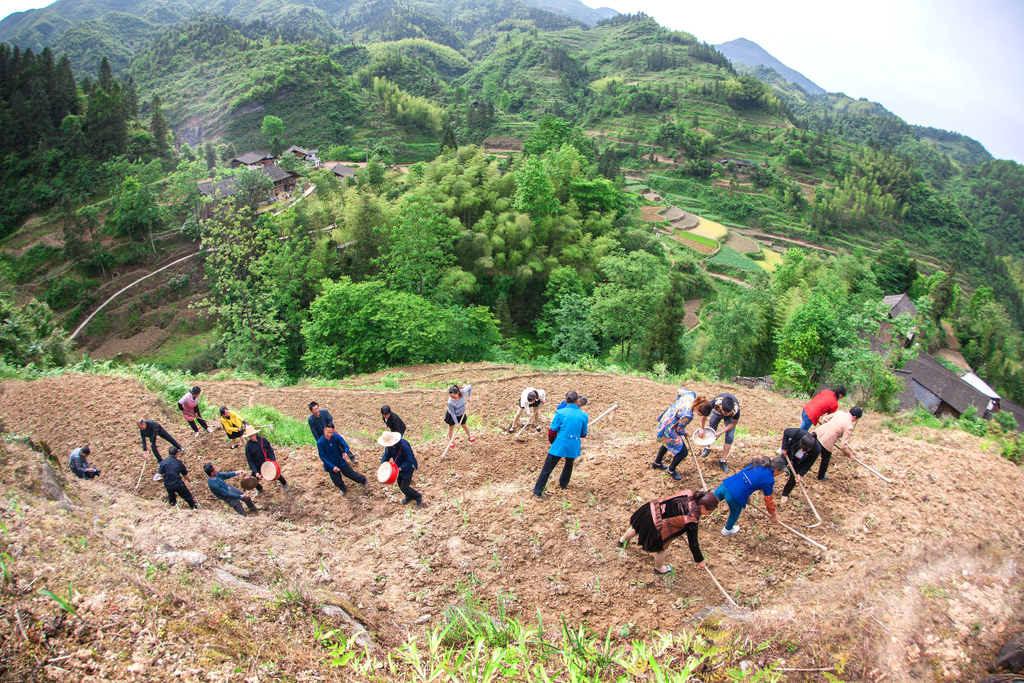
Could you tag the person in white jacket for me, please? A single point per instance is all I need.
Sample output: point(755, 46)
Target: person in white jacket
point(530, 399)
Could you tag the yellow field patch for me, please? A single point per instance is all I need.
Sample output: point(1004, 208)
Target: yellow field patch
point(771, 261)
point(710, 229)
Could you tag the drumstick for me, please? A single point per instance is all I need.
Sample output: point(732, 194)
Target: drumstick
point(727, 596)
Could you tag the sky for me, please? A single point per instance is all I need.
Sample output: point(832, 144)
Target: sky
point(941, 63)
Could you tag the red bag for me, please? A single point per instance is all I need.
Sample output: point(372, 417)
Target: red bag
point(551, 435)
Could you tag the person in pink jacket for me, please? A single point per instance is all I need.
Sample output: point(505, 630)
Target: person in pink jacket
point(189, 406)
point(832, 428)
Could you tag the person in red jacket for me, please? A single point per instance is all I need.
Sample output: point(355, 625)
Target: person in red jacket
point(825, 403)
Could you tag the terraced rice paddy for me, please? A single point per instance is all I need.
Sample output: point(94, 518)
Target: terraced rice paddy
point(742, 244)
point(710, 229)
point(696, 246)
point(771, 261)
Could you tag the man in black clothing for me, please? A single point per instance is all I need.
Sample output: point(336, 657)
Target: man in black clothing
point(317, 420)
point(392, 420)
point(803, 450)
point(723, 407)
point(174, 471)
point(257, 451)
point(150, 429)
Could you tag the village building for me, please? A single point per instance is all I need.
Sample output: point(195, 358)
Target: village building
point(340, 170)
point(284, 182)
point(307, 155)
point(252, 160)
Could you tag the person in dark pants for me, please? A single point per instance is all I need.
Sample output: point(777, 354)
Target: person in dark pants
point(392, 420)
point(569, 425)
point(803, 450)
point(333, 449)
point(175, 474)
point(398, 450)
point(672, 430)
point(318, 419)
point(229, 494)
point(189, 407)
point(257, 451)
point(78, 463)
point(722, 407)
point(150, 429)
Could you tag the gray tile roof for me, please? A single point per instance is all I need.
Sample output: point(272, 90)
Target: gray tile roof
point(898, 304)
point(276, 173)
point(252, 157)
point(947, 385)
point(225, 188)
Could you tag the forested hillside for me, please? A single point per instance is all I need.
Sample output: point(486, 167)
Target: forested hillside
point(654, 184)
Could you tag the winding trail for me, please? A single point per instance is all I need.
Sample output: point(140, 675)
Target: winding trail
point(126, 288)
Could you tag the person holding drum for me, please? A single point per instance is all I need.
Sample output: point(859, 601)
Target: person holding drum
point(724, 407)
point(398, 451)
point(672, 429)
point(458, 401)
point(333, 449)
point(257, 452)
point(657, 523)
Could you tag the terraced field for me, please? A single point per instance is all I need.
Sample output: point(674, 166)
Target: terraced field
point(710, 229)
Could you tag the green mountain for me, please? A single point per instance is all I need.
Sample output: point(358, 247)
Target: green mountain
point(745, 54)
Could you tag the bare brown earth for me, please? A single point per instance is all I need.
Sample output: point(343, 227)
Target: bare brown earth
point(921, 579)
point(691, 308)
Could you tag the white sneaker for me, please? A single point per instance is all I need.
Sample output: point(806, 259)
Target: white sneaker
point(197, 434)
point(730, 532)
point(157, 477)
point(209, 430)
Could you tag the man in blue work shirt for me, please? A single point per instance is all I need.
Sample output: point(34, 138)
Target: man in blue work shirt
point(226, 492)
point(570, 424)
point(333, 449)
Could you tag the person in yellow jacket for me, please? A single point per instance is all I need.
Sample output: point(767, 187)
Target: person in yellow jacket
point(234, 426)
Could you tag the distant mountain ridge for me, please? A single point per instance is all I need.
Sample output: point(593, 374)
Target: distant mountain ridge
point(743, 51)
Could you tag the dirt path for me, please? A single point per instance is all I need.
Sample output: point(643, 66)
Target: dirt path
point(727, 278)
point(753, 232)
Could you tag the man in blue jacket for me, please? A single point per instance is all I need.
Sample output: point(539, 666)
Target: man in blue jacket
point(570, 424)
point(226, 492)
point(398, 449)
point(333, 449)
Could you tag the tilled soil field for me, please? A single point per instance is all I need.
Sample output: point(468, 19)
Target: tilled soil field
point(920, 576)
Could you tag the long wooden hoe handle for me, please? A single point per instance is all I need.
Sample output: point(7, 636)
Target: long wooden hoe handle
point(727, 596)
point(790, 529)
point(614, 406)
point(818, 523)
point(703, 484)
point(871, 469)
point(144, 461)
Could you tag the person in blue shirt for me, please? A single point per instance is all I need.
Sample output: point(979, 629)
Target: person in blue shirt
point(398, 450)
point(333, 449)
point(757, 475)
point(582, 402)
point(226, 492)
point(570, 425)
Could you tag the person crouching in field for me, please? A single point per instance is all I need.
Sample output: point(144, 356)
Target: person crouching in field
point(400, 452)
point(79, 465)
point(825, 402)
point(837, 427)
point(530, 399)
point(234, 426)
point(569, 425)
point(226, 492)
point(392, 420)
point(657, 523)
point(672, 429)
point(757, 475)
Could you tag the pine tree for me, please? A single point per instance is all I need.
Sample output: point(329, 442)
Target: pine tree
point(211, 155)
point(158, 126)
point(664, 332)
point(106, 75)
point(131, 100)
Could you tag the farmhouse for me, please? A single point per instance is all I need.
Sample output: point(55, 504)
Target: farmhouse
point(898, 304)
point(284, 181)
point(307, 155)
point(340, 170)
point(252, 160)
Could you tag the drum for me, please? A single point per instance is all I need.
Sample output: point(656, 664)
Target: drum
point(387, 473)
point(270, 470)
point(249, 483)
point(706, 438)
